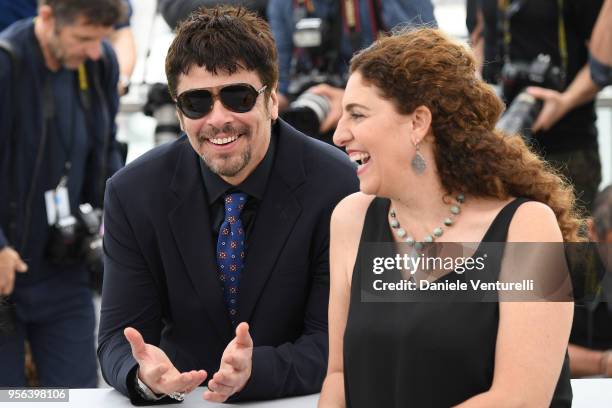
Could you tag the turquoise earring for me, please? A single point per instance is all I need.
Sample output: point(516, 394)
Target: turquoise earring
point(418, 161)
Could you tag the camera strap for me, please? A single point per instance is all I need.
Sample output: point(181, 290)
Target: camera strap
point(83, 89)
point(48, 115)
point(12, 142)
point(507, 8)
point(94, 75)
point(12, 165)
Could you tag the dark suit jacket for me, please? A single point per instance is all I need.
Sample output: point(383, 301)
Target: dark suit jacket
point(161, 274)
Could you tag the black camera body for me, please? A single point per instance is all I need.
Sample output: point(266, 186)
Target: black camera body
point(77, 238)
point(161, 107)
point(516, 76)
point(314, 43)
point(524, 108)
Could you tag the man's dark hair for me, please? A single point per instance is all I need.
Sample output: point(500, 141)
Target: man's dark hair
point(223, 39)
point(105, 13)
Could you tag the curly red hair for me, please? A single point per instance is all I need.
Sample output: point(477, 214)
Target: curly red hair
point(423, 67)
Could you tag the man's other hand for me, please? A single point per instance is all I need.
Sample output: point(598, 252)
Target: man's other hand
point(235, 369)
point(10, 263)
point(554, 108)
point(157, 371)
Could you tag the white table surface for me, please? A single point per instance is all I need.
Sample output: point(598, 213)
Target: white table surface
point(109, 398)
point(588, 393)
point(592, 393)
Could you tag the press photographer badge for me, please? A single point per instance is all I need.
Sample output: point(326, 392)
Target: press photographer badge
point(57, 203)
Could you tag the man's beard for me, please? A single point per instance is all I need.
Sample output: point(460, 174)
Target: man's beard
point(55, 49)
point(222, 164)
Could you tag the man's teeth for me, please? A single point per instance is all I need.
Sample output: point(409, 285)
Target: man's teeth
point(359, 158)
point(224, 140)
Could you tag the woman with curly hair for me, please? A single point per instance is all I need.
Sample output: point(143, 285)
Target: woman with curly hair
point(432, 168)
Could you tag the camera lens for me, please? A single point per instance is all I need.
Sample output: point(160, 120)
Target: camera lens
point(307, 113)
point(520, 116)
point(318, 104)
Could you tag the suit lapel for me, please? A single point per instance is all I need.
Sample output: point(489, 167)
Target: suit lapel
point(276, 218)
point(190, 224)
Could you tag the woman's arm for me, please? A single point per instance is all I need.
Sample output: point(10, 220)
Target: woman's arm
point(532, 336)
point(345, 231)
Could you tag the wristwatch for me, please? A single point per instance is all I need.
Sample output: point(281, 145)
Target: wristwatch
point(145, 392)
point(124, 83)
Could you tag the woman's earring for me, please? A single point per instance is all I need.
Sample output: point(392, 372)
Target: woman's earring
point(418, 161)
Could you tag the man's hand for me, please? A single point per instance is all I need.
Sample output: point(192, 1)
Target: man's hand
point(235, 369)
point(10, 262)
point(555, 107)
point(157, 371)
point(334, 95)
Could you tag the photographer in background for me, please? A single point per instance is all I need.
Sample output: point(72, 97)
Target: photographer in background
point(57, 147)
point(122, 38)
point(315, 41)
point(541, 47)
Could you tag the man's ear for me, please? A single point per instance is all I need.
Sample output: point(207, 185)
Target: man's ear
point(179, 116)
point(45, 13)
point(273, 104)
point(421, 123)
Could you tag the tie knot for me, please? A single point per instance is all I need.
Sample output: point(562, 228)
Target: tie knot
point(234, 203)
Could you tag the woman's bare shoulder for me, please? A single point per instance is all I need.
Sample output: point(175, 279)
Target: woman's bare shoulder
point(534, 222)
point(350, 212)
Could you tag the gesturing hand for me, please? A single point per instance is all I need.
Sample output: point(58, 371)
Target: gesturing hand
point(157, 371)
point(235, 369)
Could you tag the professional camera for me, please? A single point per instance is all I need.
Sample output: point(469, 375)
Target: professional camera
point(77, 238)
point(161, 107)
point(520, 115)
point(316, 63)
point(524, 108)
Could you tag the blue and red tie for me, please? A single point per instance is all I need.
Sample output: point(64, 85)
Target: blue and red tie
point(230, 252)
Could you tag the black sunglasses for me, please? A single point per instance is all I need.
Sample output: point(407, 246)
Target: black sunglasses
point(197, 103)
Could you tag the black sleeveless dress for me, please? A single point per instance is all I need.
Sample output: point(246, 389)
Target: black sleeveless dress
point(429, 354)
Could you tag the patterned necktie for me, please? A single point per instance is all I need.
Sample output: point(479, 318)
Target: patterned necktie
point(230, 251)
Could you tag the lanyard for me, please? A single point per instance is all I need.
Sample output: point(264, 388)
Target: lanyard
point(68, 145)
point(507, 8)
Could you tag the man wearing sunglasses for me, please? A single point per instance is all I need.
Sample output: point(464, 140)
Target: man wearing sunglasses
point(217, 244)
